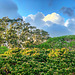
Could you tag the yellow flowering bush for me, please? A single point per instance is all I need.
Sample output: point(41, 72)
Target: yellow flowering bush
point(39, 61)
point(58, 52)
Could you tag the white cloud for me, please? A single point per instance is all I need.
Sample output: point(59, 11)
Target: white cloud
point(57, 30)
point(66, 23)
point(37, 20)
point(55, 18)
point(52, 23)
point(42, 20)
point(70, 24)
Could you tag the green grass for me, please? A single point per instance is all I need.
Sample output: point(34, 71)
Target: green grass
point(3, 49)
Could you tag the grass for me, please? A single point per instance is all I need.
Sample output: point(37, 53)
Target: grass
point(3, 49)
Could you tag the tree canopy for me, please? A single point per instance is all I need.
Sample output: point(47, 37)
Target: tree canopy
point(18, 33)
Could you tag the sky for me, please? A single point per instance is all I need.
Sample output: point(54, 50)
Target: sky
point(57, 17)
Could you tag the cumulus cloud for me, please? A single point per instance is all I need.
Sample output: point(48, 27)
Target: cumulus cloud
point(41, 20)
point(57, 30)
point(55, 18)
point(67, 11)
point(52, 23)
point(8, 8)
point(37, 20)
point(70, 23)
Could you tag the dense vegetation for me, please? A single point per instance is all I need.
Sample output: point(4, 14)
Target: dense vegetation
point(3, 49)
point(37, 62)
point(23, 50)
point(58, 42)
point(16, 33)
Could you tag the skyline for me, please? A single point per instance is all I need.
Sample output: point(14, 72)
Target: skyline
point(55, 16)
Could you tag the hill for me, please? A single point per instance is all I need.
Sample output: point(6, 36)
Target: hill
point(50, 58)
point(59, 42)
point(27, 53)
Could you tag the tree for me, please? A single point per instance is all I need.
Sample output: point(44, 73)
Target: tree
point(17, 33)
point(11, 37)
point(3, 26)
point(44, 35)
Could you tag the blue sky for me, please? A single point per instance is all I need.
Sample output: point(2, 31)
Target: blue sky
point(26, 7)
point(55, 16)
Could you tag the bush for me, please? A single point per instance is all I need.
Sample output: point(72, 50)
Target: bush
point(3, 49)
point(37, 61)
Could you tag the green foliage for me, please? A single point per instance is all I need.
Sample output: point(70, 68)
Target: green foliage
point(3, 49)
point(37, 61)
point(54, 57)
point(58, 42)
point(17, 33)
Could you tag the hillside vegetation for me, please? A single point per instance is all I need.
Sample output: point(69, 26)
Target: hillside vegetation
point(3, 49)
point(26, 50)
point(37, 61)
point(59, 42)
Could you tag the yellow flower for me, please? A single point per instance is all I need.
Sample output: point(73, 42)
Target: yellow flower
point(48, 49)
